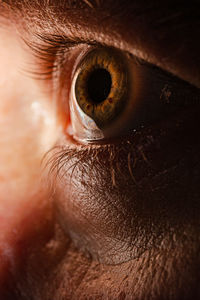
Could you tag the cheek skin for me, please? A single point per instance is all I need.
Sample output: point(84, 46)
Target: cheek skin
point(59, 271)
point(27, 131)
point(113, 227)
point(116, 214)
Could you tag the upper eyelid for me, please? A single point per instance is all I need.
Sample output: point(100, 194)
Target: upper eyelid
point(47, 48)
point(142, 30)
point(44, 46)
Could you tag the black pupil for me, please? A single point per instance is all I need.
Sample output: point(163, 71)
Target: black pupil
point(99, 85)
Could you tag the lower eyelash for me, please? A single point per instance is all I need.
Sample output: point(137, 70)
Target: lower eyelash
point(117, 160)
point(62, 158)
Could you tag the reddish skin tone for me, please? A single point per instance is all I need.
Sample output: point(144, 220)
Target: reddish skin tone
point(82, 240)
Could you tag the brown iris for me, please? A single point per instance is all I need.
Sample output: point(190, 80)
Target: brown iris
point(101, 86)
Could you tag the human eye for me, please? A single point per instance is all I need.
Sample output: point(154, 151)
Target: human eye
point(113, 94)
point(114, 213)
point(108, 92)
point(110, 152)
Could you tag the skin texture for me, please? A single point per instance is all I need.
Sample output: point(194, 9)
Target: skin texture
point(117, 221)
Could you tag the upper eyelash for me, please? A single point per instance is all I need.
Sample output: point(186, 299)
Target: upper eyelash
point(49, 50)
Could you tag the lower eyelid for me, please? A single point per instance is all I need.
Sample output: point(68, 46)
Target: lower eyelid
point(102, 192)
point(113, 196)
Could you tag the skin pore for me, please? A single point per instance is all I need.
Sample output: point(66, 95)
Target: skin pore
point(91, 232)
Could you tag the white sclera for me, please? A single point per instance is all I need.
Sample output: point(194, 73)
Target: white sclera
point(83, 127)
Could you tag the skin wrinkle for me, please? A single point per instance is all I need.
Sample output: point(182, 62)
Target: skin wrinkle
point(105, 291)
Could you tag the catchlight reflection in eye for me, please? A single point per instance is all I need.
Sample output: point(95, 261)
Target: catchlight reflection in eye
point(100, 92)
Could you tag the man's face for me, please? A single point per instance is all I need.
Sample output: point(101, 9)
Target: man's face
point(86, 217)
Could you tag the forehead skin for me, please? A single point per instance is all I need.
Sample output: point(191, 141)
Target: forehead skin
point(57, 270)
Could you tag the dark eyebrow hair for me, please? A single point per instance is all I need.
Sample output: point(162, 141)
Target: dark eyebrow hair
point(168, 10)
point(50, 5)
point(160, 32)
point(163, 17)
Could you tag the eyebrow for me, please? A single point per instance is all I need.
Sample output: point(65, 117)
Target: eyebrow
point(45, 3)
point(155, 31)
point(161, 17)
point(173, 9)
